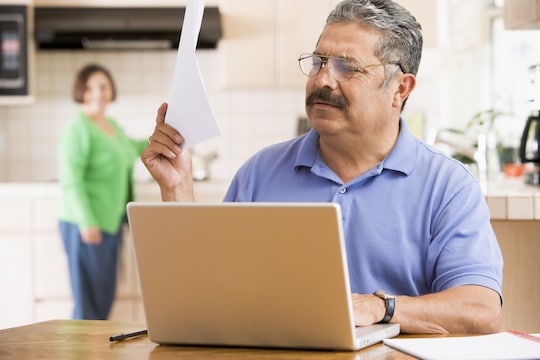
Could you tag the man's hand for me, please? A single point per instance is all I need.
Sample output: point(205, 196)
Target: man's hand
point(168, 163)
point(368, 309)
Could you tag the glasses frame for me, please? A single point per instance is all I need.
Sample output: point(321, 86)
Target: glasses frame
point(325, 61)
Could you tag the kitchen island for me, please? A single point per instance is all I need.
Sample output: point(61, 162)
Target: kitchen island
point(33, 264)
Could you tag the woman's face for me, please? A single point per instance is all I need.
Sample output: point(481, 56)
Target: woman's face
point(98, 93)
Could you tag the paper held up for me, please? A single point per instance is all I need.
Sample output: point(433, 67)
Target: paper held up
point(189, 110)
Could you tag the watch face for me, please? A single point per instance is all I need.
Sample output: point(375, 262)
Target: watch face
point(384, 295)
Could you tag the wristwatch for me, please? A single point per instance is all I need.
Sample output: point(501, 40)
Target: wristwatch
point(390, 302)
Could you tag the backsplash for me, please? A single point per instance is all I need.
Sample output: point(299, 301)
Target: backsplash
point(248, 119)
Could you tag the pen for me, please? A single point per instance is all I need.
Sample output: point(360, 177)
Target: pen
point(524, 335)
point(128, 335)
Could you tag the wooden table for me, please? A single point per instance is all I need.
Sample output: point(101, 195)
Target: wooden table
point(89, 339)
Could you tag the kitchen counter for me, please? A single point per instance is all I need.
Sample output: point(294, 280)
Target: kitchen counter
point(212, 190)
point(31, 248)
point(512, 199)
point(33, 264)
point(506, 198)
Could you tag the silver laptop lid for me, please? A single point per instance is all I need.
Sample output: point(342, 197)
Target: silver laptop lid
point(244, 274)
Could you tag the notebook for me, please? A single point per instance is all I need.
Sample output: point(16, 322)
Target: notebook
point(247, 274)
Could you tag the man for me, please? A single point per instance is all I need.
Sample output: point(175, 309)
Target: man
point(415, 221)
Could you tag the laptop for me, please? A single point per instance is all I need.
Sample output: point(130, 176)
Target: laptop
point(247, 274)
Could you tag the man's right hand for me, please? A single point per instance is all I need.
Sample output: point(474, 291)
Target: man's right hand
point(168, 163)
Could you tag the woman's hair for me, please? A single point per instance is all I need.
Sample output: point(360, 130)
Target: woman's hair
point(81, 79)
point(401, 38)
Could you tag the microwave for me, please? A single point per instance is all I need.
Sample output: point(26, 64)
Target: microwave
point(13, 50)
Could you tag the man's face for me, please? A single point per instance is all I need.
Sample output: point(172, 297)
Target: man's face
point(369, 108)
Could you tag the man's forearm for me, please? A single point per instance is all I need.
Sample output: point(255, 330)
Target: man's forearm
point(182, 193)
point(461, 310)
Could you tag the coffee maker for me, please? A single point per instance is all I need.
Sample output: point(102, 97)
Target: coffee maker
point(529, 148)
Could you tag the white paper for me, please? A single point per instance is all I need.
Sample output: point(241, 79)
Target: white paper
point(189, 110)
point(500, 346)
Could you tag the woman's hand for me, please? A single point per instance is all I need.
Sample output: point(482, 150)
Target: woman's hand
point(91, 235)
point(168, 163)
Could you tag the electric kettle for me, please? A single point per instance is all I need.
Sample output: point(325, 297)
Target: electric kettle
point(529, 147)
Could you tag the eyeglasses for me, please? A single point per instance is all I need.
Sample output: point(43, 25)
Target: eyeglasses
point(340, 69)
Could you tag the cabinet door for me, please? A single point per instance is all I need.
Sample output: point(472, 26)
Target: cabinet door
point(15, 263)
point(262, 40)
point(248, 43)
point(425, 13)
point(299, 24)
point(521, 14)
point(15, 280)
point(51, 276)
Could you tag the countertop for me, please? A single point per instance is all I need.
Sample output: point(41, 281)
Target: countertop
point(144, 190)
point(508, 199)
point(512, 199)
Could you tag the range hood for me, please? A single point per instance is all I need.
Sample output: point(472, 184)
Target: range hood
point(119, 28)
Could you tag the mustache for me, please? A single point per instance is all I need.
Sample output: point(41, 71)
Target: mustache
point(326, 95)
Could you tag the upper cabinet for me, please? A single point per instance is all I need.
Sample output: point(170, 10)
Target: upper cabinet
point(521, 14)
point(425, 13)
point(298, 25)
point(262, 40)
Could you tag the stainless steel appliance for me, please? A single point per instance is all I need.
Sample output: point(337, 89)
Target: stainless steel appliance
point(118, 28)
point(13, 50)
point(529, 149)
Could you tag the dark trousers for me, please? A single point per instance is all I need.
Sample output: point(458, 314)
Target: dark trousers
point(92, 271)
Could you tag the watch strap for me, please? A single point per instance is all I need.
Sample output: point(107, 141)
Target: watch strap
point(390, 305)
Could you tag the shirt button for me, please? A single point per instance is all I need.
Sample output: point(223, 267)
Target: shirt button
point(343, 191)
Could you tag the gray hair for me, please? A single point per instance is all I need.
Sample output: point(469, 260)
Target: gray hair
point(401, 38)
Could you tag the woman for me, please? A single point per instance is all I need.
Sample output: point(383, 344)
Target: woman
point(96, 175)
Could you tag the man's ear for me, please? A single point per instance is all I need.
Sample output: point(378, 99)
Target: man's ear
point(407, 82)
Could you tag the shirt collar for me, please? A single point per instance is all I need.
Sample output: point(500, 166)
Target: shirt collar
point(402, 157)
point(309, 150)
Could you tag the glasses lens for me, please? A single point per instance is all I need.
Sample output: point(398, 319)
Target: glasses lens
point(310, 64)
point(341, 69)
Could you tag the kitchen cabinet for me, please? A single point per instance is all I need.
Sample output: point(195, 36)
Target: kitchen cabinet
point(35, 284)
point(426, 13)
point(15, 264)
point(520, 245)
point(262, 40)
point(33, 266)
point(521, 14)
point(298, 25)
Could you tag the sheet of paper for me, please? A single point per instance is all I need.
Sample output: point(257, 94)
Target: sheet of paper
point(502, 345)
point(189, 109)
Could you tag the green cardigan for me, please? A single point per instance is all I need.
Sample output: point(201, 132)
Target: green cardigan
point(96, 174)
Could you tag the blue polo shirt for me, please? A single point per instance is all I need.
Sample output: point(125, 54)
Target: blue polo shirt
point(416, 223)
